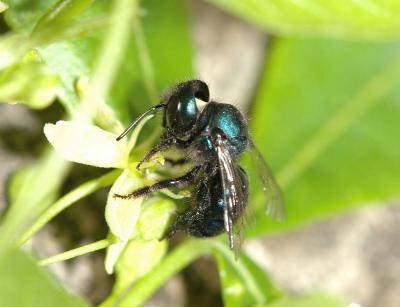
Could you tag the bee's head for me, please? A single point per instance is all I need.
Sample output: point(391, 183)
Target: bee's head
point(181, 111)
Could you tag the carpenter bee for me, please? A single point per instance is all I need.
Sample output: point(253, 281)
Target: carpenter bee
point(212, 141)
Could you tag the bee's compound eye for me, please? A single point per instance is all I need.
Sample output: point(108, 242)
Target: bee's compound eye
point(182, 113)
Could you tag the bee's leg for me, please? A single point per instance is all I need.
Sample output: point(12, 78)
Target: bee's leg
point(176, 162)
point(179, 182)
point(163, 145)
point(184, 222)
point(171, 230)
point(190, 221)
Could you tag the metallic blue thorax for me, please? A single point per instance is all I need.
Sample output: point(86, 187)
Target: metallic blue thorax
point(230, 121)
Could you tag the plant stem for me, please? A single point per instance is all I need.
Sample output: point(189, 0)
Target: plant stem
point(93, 105)
point(67, 200)
point(145, 61)
point(107, 64)
point(95, 246)
point(35, 193)
point(142, 289)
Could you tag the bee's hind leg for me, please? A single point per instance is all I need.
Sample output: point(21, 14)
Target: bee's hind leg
point(185, 221)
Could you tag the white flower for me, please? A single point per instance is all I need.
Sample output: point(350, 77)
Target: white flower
point(87, 144)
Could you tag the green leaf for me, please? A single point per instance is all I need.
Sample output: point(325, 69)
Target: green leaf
point(22, 283)
point(314, 300)
point(74, 58)
point(31, 17)
point(62, 12)
point(22, 15)
point(12, 48)
point(70, 60)
point(371, 19)
point(243, 282)
point(326, 118)
point(14, 45)
point(42, 21)
point(30, 83)
point(145, 69)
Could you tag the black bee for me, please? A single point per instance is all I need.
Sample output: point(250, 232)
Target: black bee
point(212, 141)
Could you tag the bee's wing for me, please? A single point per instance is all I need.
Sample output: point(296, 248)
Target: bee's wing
point(274, 199)
point(235, 198)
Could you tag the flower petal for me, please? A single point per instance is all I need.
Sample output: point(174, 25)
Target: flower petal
point(87, 144)
point(122, 214)
point(113, 253)
point(30, 83)
point(3, 6)
point(155, 218)
point(137, 259)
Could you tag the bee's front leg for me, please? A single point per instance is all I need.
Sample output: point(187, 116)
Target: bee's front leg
point(180, 182)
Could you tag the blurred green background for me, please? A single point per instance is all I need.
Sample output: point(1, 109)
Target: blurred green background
point(319, 82)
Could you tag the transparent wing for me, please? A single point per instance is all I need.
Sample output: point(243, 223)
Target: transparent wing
point(235, 198)
point(275, 206)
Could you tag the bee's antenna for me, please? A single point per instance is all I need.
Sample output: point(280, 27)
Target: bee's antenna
point(140, 118)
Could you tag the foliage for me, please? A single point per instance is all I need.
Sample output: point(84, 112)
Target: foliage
point(372, 19)
point(39, 288)
point(332, 142)
point(325, 116)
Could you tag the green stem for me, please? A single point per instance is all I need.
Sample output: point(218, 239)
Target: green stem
point(61, 12)
point(145, 61)
point(35, 193)
point(92, 247)
point(141, 290)
point(67, 200)
point(107, 64)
